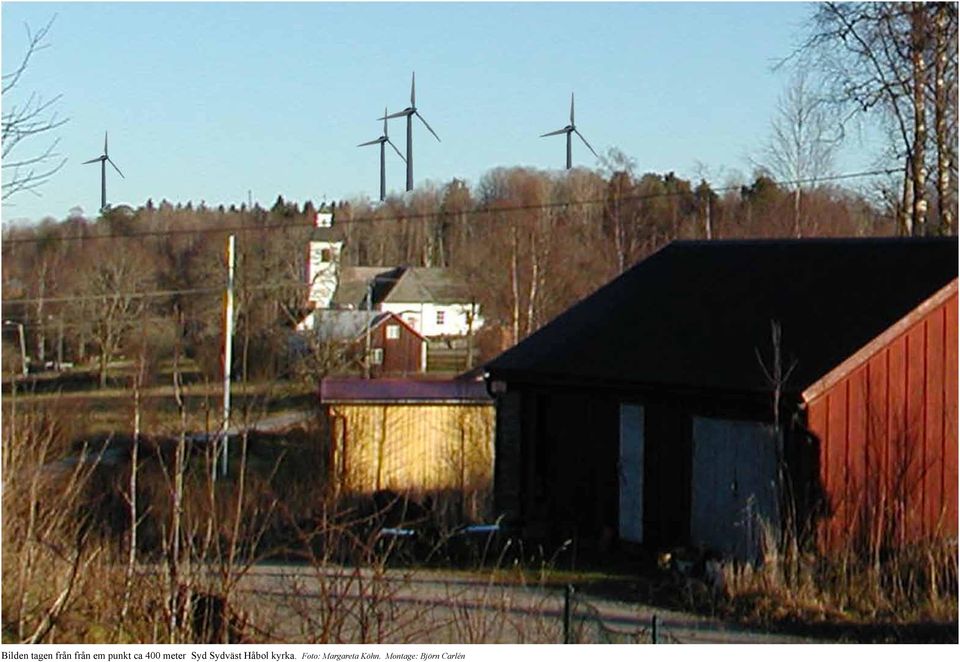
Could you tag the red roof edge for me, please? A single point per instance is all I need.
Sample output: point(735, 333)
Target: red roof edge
point(410, 391)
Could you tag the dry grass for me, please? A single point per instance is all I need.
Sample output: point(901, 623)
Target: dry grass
point(66, 541)
point(67, 531)
point(110, 410)
point(845, 589)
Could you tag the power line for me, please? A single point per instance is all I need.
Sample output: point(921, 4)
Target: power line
point(152, 293)
point(165, 293)
point(251, 227)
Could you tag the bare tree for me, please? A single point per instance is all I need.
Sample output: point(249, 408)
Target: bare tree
point(945, 108)
point(876, 57)
point(111, 300)
point(800, 149)
point(919, 38)
point(25, 120)
point(621, 214)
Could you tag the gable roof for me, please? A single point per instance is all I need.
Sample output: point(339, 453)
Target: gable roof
point(696, 313)
point(399, 285)
point(427, 284)
point(349, 325)
point(352, 285)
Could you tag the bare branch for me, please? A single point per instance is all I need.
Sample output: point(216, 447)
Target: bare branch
point(22, 121)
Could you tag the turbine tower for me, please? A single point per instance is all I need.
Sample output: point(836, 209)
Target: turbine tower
point(103, 159)
point(383, 140)
point(409, 113)
point(569, 130)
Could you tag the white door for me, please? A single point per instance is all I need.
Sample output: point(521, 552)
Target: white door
point(734, 494)
point(630, 468)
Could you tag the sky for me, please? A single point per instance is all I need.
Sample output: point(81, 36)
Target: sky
point(205, 102)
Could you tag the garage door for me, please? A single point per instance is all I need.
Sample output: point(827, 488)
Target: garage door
point(630, 469)
point(733, 486)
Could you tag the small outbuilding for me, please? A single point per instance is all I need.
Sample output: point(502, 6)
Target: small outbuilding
point(353, 340)
point(422, 437)
point(719, 389)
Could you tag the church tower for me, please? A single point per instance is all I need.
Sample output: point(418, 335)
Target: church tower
point(323, 261)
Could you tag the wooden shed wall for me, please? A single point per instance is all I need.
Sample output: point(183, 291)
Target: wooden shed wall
point(888, 437)
point(401, 356)
point(412, 447)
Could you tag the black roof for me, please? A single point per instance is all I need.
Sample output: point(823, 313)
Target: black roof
point(695, 314)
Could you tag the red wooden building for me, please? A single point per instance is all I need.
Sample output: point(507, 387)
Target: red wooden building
point(395, 347)
point(654, 410)
point(886, 419)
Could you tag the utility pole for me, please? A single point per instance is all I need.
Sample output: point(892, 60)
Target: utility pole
point(227, 352)
point(366, 353)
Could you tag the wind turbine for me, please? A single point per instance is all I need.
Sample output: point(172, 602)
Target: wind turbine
point(383, 140)
point(103, 158)
point(569, 130)
point(409, 113)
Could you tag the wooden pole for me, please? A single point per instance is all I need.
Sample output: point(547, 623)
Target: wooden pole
point(227, 350)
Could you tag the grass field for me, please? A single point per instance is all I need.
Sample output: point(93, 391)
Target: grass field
point(67, 562)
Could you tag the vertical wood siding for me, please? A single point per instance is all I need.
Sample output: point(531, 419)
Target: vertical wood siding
point(888, 439)
point(410, 447)
point(401, 356)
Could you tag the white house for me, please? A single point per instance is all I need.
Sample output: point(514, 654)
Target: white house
point(434, 301)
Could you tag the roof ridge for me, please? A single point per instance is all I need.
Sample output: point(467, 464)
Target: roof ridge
point(808, 240)
point(423, 285)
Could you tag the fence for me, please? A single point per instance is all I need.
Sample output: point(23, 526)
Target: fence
point(584, 624)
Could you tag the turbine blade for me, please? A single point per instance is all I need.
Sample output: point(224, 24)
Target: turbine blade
point(372, 142)
point(396, 150)
point(556, 133)
point(105, 152)
point(96, 160)
point(402, 113)
point(571, 108)
point(427, 125)
point(586, 143)
point(115, 167)
point(385, 121)
point(413, 90)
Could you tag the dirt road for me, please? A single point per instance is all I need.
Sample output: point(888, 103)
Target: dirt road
point(353, 606)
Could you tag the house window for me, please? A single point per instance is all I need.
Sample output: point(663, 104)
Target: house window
point(326, 255)
point(376, 356)
point(440, 316)
point(393, 331)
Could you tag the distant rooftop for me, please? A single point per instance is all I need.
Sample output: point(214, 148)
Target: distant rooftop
point(411, 391)
point(341, 325)
point(399, 285)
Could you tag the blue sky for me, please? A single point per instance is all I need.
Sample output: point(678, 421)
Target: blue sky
point(206, 101)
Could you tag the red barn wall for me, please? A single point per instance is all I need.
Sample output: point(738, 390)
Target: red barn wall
point(888, 436)
point(401, 356)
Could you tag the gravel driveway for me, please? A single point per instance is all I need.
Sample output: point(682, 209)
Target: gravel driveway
point(347, 605)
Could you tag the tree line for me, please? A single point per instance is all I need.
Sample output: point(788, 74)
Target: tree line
point(528, 242)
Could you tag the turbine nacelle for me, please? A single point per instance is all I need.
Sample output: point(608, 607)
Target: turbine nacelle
point(409, 112)
point(383, 140)
point(569, 130)
point(103, 160)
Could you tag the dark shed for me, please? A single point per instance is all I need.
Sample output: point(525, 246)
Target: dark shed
point(647, 410)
